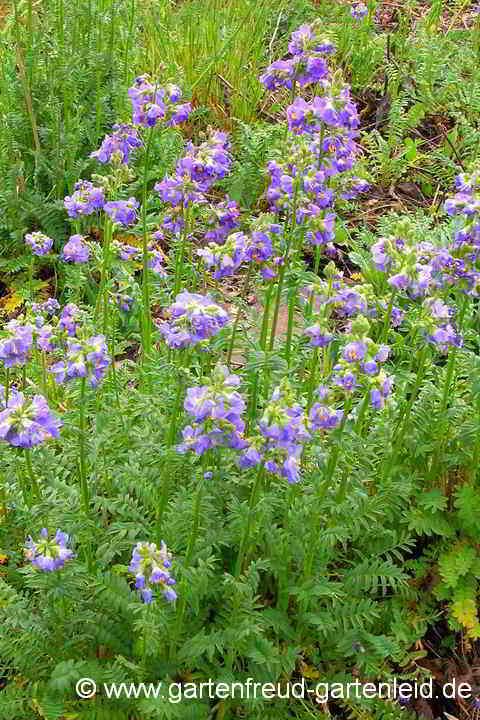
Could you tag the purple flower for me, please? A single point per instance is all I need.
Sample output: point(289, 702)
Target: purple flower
point(152, 105)
point(225, 258)
point(283, 427)
point(355, 186)
point(382, 389)
point(323, 230)
point(122, 212)
point(69, 318)
point(121, 142)
point(225, 214)
point(382, 354)
point(360, 11)
point(47, 554)
point(45, 339)
point(279, 74)
point(305, 39)
point(194, 318)
point(50, 306)
point(399, 281)
point(76, 250)
point(86, 199)
point(155, 262)
point(124, 251)
point(291, 469)
point(346, 380)
point(324, 418)
point(151, 565)
point(217, 410)
point(27, 422)
point(124, 302)
point(354, 352)
point(319, 337)
point(84, 358)
point(14, 349)
point(41, 244)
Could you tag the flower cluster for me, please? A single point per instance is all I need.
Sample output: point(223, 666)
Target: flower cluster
point(49, 306)
point(306, 66)
point(151, 566)
point(359, 12)
point(69, 318)
point(76, 250)
point(152, 105)
point(435, 322)
point(122, 212)
point(119, 144)
point(85, 358)
point(48, 554)
point(426, 268)
point(335, 110)
point(300, 183)
point(26, 422)
point(283, 432)
point(227, 258)
point(208, 162)
point(194, 318)
point(195, 173)
point(86, 200)
point(360, 364)
point(41, 244)
point(156, 260)
point(123, 251)
point(14, 348)
point(323, 415)
point(222, 219)
point(217, 410)
point(262, 247)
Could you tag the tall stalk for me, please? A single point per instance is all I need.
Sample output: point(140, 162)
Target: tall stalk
point(448, 390)
point(146, 321)
point(81, 455)
point(189, 553)
point(31, 474)
point(244, 545)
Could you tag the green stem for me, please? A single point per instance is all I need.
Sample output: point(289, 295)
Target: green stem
point(82, 458)
point(181, 254)
point(388, 316)
point(30, 275)
point(147, 610)
point(172, 430)
point(33, 479)
point(146, 325)
point(284, 267)
point(311, 380)
point(407, 409)
point(112, 354)
point(361, 414)
point(243, 550)
point(188, 558)
point(129, 40)
point(336, 450)
point(256, 380)
point(44, 374)
point(281, 279)
point(266, 313)
point(291, 316)
point(237, 317)
point(448, 391)
point(7, 385)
